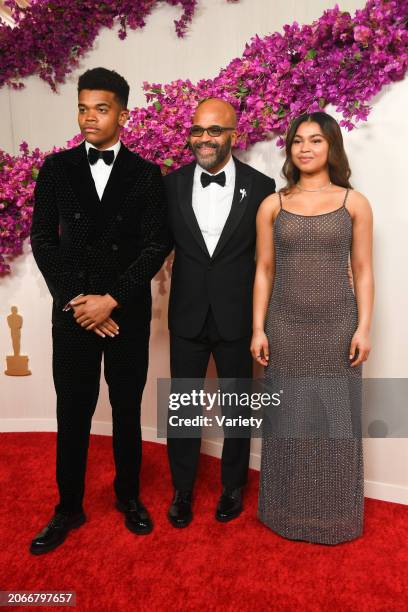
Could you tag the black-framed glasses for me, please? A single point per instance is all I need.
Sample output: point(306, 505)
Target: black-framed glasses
point(214, 130)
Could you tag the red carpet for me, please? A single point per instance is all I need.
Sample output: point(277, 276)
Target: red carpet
point(208, 566)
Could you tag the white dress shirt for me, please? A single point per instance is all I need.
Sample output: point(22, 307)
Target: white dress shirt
point(100, 174)
point(100, 170)
point(212, 204)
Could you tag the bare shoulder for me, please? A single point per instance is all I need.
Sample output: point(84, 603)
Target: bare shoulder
point(358, 205)
point(269, 208)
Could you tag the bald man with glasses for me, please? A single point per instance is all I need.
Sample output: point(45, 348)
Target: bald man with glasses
point(212, 217)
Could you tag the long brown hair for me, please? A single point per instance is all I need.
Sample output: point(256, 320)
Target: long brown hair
point(339, 169)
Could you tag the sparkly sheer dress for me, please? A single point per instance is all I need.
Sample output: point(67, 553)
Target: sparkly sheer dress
point(311, 480)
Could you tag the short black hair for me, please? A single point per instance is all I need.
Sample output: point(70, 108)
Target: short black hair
point(106, 80)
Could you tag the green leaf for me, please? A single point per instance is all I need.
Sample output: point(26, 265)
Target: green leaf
point(168, 162)
point(34, 173)
point(281, 112)
point(255, 123)
point(311, 54)
point(322, 102)
point(157, 106)
point(357, 56)
point(242, 91)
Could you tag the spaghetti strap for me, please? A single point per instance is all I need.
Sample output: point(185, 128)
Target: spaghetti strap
point(345, 198)
point(280, 199)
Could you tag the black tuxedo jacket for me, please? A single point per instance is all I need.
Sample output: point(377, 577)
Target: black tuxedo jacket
point(84, 245)
point(225, 280)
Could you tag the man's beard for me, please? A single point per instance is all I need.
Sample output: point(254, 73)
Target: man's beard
point(221, 152)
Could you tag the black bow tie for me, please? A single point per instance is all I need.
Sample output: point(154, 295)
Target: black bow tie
point(206, 179)
point(95, 154)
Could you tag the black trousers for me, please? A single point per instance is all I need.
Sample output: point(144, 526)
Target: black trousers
point(77, 356)
point(189, 359)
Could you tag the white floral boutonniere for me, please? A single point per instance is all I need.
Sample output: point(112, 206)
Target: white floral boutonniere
point(243, 194)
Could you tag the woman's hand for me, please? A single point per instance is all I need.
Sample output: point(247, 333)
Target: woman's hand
point(260, 347)
point(361, 343)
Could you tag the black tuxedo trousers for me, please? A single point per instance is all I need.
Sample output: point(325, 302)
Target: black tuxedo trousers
point(189, 358)
point(77, 357)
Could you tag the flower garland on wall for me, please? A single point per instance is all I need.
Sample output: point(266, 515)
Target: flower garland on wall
point(50, 37)
point(339, 59)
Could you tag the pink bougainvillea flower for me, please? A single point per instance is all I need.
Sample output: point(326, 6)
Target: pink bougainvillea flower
point(339, 59)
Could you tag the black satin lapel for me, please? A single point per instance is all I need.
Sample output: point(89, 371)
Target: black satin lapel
point(185, 199)
point(242, 193)
point(81, 180)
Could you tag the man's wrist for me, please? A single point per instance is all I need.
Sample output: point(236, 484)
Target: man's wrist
point(68, 304)
point(111, 300)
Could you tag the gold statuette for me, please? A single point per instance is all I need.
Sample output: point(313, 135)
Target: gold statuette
point(17, 365)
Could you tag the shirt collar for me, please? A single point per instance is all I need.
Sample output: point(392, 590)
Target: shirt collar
point(115, 148)
point(229, 170)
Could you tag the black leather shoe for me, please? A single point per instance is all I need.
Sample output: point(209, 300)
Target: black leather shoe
point(55, 532)
point(137, 518)
point(180, 514)
point(229, 505)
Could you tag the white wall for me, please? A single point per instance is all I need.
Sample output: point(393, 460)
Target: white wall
point(378, 159)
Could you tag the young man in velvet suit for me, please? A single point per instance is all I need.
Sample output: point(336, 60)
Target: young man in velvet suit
point(99, 235)
point(212, 210)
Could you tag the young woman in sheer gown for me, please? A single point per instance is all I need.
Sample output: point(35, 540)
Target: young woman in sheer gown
point(311, 332)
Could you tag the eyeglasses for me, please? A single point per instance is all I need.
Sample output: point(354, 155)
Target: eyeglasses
point(214, 130)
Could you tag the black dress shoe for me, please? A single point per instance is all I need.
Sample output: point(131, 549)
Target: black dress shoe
point(180, 514)
point(137, 518)
point(229, 505)
point(55, 532)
